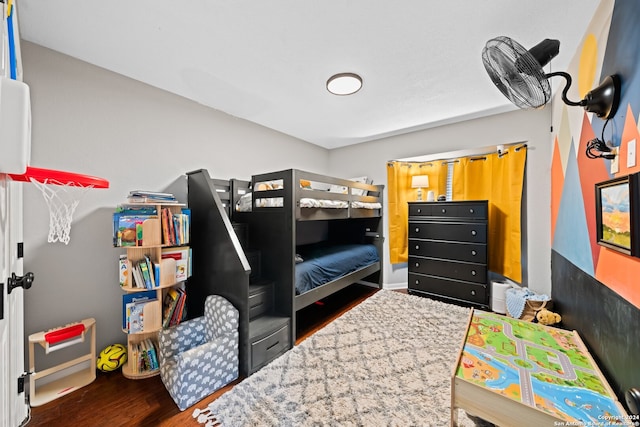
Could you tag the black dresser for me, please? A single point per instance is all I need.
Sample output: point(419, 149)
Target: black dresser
point(448, 251)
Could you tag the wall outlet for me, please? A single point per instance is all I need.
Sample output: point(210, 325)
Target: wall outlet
point(631, 153)
point(615, 163)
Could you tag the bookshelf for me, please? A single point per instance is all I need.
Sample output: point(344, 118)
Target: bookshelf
point(152, 275)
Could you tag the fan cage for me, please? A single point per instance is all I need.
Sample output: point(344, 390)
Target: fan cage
point(516, 73)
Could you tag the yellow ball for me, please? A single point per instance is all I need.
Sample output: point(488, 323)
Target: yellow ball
point(111, 358)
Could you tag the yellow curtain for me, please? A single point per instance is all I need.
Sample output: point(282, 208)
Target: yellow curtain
point(505, 238)
point(500, 180)
point(400, 192)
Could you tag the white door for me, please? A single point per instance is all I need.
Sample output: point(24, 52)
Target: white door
point(14, 410)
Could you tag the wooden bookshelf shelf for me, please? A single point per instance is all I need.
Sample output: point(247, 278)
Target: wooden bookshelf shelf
point(157, 260)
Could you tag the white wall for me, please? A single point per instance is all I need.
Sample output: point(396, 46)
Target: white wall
point(89, 120)
point(533, 127)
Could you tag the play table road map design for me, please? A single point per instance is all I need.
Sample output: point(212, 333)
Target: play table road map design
point(546, 371)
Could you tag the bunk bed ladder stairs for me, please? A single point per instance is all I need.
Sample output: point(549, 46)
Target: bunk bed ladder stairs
point(268, 332)
point(260, 289)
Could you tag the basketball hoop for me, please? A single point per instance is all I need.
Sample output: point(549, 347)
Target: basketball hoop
point(62, 192)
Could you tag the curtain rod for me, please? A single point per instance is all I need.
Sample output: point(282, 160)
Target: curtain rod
point(455, 160)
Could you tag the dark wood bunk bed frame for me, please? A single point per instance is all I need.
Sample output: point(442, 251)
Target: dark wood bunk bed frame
point(249, 257)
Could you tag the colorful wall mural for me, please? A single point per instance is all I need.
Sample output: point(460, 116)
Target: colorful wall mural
point(611, 45)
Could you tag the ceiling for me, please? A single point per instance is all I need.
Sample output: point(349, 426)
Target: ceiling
point(268, 61)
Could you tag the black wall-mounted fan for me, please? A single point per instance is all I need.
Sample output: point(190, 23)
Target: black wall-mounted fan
point(518, 73)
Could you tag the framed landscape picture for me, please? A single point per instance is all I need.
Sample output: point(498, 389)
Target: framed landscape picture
point(617, 214)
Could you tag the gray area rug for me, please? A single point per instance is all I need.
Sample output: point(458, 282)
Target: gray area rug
point(386, 362)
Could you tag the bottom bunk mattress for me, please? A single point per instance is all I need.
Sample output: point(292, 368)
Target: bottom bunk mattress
point(323, 263)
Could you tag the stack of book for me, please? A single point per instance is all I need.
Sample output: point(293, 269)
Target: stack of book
point(144, 356)
point(128, 225)
point(173, 307)
point(175, 227)
point(140, 196)
point(146, 275)
point(133, 305)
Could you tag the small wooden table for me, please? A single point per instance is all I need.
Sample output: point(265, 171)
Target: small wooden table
point(511, 372)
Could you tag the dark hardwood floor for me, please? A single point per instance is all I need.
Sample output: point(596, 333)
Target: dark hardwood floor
point(112, 400)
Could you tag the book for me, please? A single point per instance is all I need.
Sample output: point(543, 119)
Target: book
point(172, 232)
point(145, 193)
point(132, 210)
point(179, 310)
point(133, 358)
point(146, 355)
point(177, 229)
point(156, 274)
point(167, 237)
point(144, 269)
point(135, 297)
point(181, 255)
point(142, 196)
point(168, 306)
point(138, 280)
point(152, 272)
point(123, 269)
point(135, 317)
point(128, 229)
point(151, 200)
point(151, 353)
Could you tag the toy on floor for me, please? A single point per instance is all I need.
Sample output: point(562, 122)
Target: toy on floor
point(547, 317)
point(111, 358)
point(68, 380)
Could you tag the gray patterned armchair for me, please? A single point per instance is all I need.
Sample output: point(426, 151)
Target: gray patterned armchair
point(199, 356)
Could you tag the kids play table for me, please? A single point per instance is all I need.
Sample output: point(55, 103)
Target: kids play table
point(511, 372)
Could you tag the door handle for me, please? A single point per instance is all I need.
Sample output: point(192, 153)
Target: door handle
point(16, 281)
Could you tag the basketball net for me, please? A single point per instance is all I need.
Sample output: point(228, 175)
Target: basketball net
point(62, 200)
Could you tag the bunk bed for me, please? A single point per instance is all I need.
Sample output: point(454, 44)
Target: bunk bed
point(310, 235)
point(289, 215)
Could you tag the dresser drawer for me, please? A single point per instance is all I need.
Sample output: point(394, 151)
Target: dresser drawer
point(467, 271)
point(465, 291)
point(269, 347)
point(420, 209)
point(458, 251)
point(466, 210)
point(471, 210)
point(450, 231)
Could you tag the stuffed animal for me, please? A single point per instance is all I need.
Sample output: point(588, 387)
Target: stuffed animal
point(547, 317)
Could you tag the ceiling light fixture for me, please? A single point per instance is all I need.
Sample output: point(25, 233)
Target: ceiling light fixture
point(344, 84)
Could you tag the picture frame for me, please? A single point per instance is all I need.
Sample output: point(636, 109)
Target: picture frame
point(617, 214)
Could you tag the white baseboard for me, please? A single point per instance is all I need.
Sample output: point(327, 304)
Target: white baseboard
point(395, 286)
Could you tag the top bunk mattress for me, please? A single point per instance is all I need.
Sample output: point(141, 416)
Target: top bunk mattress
point(323, 263)
point(245, 202)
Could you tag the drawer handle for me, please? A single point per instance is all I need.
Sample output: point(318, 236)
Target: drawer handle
point(417, 281)
point(474, 253)
point(273, 345)
point(473, 272)
point(471, 210)
point(417, 229)
point(417, 264)
point(419, 210)
point(474, 232)
point(444, 210)
point(417, 246)
point(473, 292)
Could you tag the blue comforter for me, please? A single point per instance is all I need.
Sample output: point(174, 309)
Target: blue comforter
point(322, 263)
